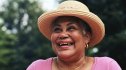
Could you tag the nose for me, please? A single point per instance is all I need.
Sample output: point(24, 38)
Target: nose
point(63, 35)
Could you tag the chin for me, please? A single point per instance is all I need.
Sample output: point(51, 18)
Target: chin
point(65, 54)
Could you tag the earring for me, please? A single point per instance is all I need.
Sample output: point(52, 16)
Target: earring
point(87, 45)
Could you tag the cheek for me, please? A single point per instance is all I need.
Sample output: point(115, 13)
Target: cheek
point(77, 35)
point(53, 37)
point(53, 42)
point(79, 38)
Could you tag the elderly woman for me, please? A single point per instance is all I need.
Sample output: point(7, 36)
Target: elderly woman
point(72, 28)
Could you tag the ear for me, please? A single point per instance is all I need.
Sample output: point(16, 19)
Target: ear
point(87, 37)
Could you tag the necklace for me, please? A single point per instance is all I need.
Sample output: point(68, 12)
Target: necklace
point(75, 68)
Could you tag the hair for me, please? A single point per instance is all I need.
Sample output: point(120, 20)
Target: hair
point(78, 20)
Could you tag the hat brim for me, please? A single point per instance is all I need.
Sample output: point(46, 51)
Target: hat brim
point(95, 23)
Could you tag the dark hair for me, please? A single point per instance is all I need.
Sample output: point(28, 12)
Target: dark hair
point(84, 25)
point(78, 20)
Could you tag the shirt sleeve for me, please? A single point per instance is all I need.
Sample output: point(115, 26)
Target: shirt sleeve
point(31, 66)
point(40, 65)
point(113, 65)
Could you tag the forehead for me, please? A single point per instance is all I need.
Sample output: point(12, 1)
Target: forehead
point(70, 19)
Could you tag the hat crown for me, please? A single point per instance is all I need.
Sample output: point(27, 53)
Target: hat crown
point(73, 5)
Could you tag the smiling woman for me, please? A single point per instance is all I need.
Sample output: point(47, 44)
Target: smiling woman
point(68, 37)
point(72, 28)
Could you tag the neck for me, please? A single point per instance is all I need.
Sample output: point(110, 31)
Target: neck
point(76, 64)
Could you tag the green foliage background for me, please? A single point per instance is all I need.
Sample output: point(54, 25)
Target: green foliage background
point(21, 42)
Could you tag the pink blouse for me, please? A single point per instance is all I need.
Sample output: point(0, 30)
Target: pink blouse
point(101, 63)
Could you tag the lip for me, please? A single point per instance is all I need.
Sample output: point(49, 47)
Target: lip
point(65, 44)
point(65, 47)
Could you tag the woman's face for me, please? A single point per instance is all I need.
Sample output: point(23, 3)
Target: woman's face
point(68, 38)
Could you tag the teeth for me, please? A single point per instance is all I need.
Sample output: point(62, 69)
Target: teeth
point(69, 44)
point(60, 44)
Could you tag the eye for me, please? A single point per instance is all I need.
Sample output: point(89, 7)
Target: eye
point(57, 30)
point(71, 28)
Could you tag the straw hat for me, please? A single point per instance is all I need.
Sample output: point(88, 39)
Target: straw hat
point(77, 9)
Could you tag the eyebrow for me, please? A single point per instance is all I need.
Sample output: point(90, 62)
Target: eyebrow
point(56, 25)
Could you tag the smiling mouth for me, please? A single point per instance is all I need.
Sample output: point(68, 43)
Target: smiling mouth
point(65, 44)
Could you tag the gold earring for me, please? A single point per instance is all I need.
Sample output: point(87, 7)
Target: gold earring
point(87, 45)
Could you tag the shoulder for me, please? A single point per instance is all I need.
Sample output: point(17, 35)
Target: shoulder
point(106, 63)
point(104, 59)
point(40, 64)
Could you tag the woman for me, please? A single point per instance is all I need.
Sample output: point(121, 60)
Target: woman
point(71, 29)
